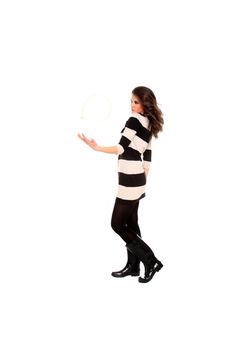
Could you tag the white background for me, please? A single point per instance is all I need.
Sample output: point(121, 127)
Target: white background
point(57, 248)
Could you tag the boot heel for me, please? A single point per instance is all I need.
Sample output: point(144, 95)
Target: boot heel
point(152, 273)
point(158, 268)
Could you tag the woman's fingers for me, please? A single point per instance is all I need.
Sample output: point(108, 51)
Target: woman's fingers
point(90, 143)
point(82, 137)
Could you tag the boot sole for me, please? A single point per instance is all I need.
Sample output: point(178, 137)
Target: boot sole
point(135, 274)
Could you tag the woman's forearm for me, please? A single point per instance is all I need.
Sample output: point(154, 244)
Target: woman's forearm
point(110, 149)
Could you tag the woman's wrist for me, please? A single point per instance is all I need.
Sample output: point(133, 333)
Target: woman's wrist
point(98, 148)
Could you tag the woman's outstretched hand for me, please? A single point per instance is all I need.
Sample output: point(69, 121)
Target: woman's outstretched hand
point(91, 143)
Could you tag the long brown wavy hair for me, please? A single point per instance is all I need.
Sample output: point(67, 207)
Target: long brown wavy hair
point(150, 108)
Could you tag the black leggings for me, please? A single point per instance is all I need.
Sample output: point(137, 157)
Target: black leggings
point(125, 219)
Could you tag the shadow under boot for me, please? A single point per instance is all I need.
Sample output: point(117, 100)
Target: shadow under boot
point(152, 265)
point(132, 267)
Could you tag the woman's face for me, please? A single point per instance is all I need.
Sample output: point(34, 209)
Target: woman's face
point(136, 106)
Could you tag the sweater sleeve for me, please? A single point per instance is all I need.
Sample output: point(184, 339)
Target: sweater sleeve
point(147, 156)
point(131, 127)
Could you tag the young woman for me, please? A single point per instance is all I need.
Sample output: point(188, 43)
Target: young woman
point(134, 157)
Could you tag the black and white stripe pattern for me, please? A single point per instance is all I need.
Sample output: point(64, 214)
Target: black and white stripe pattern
point(134, 150)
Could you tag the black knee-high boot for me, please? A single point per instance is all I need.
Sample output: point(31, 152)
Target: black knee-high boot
point(139, 248)
point(132, 267)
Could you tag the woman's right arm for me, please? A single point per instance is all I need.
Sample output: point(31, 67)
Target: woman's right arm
point(128, 133)
point(91, 143)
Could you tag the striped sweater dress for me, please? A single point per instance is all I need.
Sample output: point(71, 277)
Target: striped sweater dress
point(134, 156)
